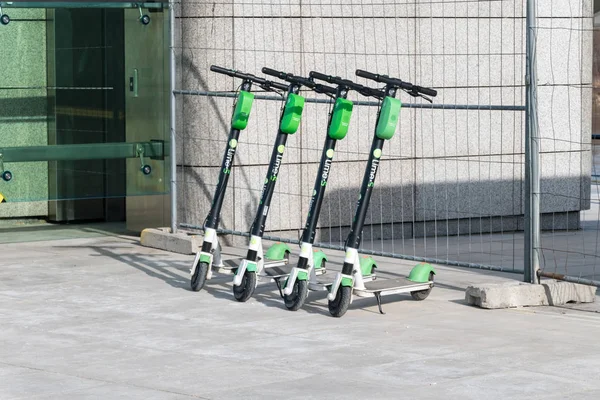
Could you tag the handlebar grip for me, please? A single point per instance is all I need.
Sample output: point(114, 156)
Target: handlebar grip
point(371, 92)
point(367, 75)
point(427, 91)
point(221, 70)
point(277, 85)
point(320, 76)
point(272, 72)
point(324, 89)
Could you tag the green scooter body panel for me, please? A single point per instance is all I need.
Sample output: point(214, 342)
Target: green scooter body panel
point(348, 282)
point(420, 273)
point(242, 110)
point(340, 120)
point(292, 114)
point(388, 118)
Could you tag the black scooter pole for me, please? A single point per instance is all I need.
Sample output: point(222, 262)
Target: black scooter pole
point(214, 214)
point(354, 237)
point(314, 208)
point(258, 226)
point(212, 220)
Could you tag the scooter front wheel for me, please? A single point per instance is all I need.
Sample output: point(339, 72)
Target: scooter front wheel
point(199, 277)
point(246, 289)
point(340, 304)
point(296, 299)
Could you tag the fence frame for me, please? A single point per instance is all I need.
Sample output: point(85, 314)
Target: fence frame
point(532, 153)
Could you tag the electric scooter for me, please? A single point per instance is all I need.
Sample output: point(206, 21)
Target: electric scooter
point(245, 279)
point(306, 270)
point(277, 257)
point(350, 280)
point(210, 255)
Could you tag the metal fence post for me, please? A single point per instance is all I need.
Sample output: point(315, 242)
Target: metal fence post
point(173, 122)
point(532, 154)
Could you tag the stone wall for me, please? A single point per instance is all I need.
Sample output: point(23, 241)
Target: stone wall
point(455, 166)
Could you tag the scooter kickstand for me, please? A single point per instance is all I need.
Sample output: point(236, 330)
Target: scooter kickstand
point(279, 287)
point(378, 298)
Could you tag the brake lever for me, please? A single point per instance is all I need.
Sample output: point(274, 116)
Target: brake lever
point(268, 88)
point(426, 98)
point(414, 93)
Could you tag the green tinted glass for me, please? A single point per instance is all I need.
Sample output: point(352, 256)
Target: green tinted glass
point(84, 105)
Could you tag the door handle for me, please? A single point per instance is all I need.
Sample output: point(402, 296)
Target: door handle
point(133, 83)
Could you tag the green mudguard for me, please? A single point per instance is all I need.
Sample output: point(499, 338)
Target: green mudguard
point(367, 265)
point(205, 258)
point(277, 252)
point(348, 282)
point(388, 118)
point(318, 258)
point(420, 273)
point(252, 267)
point(292, 114)
point(242, 110)
point(302, 275)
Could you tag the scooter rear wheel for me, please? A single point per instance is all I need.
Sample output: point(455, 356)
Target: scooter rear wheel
point(243, 292)
point(340, 304)
point(422, 294)
point(199, 277)
point(296, 299)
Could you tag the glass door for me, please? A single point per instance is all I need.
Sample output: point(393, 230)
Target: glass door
point(83, 107)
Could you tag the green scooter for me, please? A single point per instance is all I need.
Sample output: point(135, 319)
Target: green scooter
point(306, 272)
point(350, 280)
point(245, 279)
point(209, 257)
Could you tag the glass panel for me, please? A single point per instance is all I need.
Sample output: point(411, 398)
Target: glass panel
point(76, 118)
point(82, 4)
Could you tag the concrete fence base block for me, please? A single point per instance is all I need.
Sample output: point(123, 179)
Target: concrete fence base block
point(520, 294)
point(163, 239)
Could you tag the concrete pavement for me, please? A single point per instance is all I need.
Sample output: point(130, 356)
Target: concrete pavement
point(101, 317)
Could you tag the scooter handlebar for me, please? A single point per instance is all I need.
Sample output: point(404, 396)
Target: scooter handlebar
point(324, 89)
point(396, 82)
point(229, 72)
point(336, 80)
point(289, 77)
point(368, 75)
point(299, 80)
point(272, 72)
point(427, 91)
point(320, 76)
point(250, 77)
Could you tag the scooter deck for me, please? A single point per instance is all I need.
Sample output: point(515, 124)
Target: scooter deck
point(324, 281)
point(270, 264)
point(327, 279)
point(391, 286)
point(228, 266)
point(232, 264)
point(283, 270)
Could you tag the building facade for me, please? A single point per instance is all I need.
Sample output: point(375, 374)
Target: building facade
point(99, 75)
